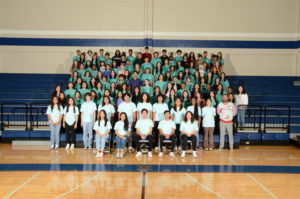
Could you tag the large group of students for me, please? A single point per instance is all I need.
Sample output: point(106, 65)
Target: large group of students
point(144, 98)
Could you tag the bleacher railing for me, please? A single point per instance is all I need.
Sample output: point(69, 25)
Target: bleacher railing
point(252, 117)
point(38, 117)
point(277, 118)
point(14, 114)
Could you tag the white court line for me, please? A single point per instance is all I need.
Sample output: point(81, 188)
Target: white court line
point(206, 188)
point(256, 181)
point(22, 185)
point(145, 159)
point(78, 186)
point(262, 186)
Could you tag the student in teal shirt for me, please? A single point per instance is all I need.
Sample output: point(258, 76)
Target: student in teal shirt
point(183, 88)
point(158, 70)
point(101, 56)
point(94, 71)
point(107, 59)
point(224, 81)
point(166, 66)
point(179, 67)
point(205, 59)
point(81, 70)
point(70, 92)
point(212, 98)
point(146, 65)
point(161, 83)
point(189, 84)
point(87, 78)
point(148, 76)
point(77, 56)
point(147, 88)
point(78, 99)
point(155, 59)
point(74, 77)
point(129, 66)
point(105, 83)
point(78, 84)
point(130, 57)
point(99, 91)
point(219, 95)
point(84, 90)
point(113, 77)
point(178, 57)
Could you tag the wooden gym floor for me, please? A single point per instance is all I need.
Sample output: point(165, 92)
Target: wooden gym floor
point(261, 172)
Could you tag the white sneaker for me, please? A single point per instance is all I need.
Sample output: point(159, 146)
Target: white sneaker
point(101, 155)
point(85, 148)
point(90, 148)
point(67, 146)
point(51, 147)
point(195, 154)
point(161, 154)
point(98, 155)
point(210, 149)
point(118, 155)
point(121, 155)
point(172, 154)
point(150, 154)
point(72, 146)
point(183, 154)
point(56, 146)
point(138, 154)
point(156, 149)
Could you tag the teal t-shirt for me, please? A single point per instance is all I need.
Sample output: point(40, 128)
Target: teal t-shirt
point(161, 84)
point(70, 93)
point(148, 90)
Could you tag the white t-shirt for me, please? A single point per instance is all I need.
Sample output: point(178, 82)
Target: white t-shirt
point(129, 109)
point(101, 128)
point(55, 113)
point(166, 126)
point(71, 115)
point(109, 109)
point(178, 115)
point(144, 125)
point(120, 127)
point(189, 127)
point(208, 114)
point(159, 110)
point(192, 109)
point(142, 106)
point(88, 109)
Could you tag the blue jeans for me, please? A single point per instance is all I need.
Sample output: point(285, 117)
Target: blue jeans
point(100, 141)
point(121, 142)
point(87, 134)
point(54, 136)
point(241, 117)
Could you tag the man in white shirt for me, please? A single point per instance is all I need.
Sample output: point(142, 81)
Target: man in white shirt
point(167, 129)
point(144, 128)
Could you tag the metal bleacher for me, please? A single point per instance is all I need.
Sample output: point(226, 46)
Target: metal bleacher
point(272, 117)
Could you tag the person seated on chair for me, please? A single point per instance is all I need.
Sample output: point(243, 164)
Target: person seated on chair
point(122, 132)
point(189, 129)
point(167, 131)
point(144, 128)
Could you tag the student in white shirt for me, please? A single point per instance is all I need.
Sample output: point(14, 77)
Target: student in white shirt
point(129, 108)
point(102, 128)
point(189, 129)
point(144, 128)
point(159, 109)
point(196, 110)
point(167, 132)
point(241, 99)
point(208, 123)
point(108, 107)
point(54, 114)
point(177, 113)
point(144, 104)
point(88, 117)
point(70, 122)
point(122, 132)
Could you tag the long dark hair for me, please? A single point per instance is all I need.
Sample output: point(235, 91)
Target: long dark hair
point(142, 95)
point(238, 92)
point(196, 106)
point(126, 123)
point(105, 118)
point(185, 117)
point(103, 103)
point(52, 104)
point(175, 106)
point(68, 104)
